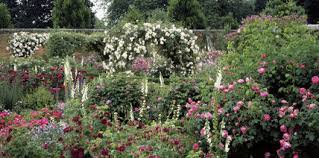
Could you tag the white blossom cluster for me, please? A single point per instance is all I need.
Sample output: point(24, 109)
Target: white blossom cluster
point(24, 44)
point(177, 45)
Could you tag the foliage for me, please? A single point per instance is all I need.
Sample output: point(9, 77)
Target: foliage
point(280, 38)
point(174, 48)
point(73, 14)
point(272, 107)
point(10, 95)
point(24, 44)
point(120, 93)
point(5, 17)
point(33, 14)
point(283, 8)
point(65, 43)
point(40, 98)
point(226, 13)
point(311, 7)
point(30, 13)
point(188, 12)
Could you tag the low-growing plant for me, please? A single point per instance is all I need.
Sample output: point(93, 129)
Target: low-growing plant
point(40, 98)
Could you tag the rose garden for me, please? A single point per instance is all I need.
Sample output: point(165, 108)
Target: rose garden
point(153, 90)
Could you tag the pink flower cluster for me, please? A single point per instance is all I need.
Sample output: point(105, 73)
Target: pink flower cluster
point(238, 106)
point(293, 113)
point(141, 64)
point(306, 94)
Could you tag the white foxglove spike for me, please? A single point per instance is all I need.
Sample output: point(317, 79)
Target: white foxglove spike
point(218, 79)
point(85, 93)
point(161, 80)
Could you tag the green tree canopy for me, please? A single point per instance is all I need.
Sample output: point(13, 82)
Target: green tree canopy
point(73, 14)
point(188, 12)
point(5, 18)
point(283, 8)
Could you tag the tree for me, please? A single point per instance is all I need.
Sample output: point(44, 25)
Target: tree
point(33, 14)
point(283, 8)
point(260, 5)
point(73, 14)
point(223, 13)
point(188, 12)
point(117, 9)
point(312, 10)
point(5, 18)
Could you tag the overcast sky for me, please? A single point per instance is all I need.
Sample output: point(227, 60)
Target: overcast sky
point(99, 8)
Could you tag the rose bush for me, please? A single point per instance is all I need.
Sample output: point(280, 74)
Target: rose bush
point(24, 44)
point(177, 46)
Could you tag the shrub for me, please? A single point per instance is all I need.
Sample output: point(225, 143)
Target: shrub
point(24, 44)
point(10, 94)
point(283, 8)
point(274, 103)
point(5, 17)
point(65, 43)
point(284, 39)
point(176, 47)
point(40, 98)
point(119, 92)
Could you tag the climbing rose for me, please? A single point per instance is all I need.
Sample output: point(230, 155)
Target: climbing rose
point(283, 128)
point(195, 147)
point(311, 106)
point(243, 130)
point(241, 81)
point(302, 91)
point(225, 133)
point(261, 71)
point(267, 117)
point(264, 94)
point(315, 80)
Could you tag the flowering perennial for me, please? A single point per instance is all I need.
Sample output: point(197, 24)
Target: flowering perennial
point(25, 44)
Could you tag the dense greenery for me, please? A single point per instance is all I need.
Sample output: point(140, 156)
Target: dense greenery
point(5, 17)
point(188, 12)
point(283, 8)
point(73, 14)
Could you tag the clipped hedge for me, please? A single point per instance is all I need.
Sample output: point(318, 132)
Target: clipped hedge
point(66, 43)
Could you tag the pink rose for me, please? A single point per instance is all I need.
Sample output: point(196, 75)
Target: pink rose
point(261, 71)
point(203, 132)
point(264, 94)
point(315, 80)
point(283, 102)
point(286, 137)
point(267, 155)
point(295, 155)
point(267, 117)
point(240, 104)
point(231, 87)
point(302, 91)
point(236, 109)
point(286, 145)
point(206, 115)
point(195, 147)
point(247, 79)
point(243, 130)
point(220, 111)
point(225, 133)
point(311, 106)
point(294, 114)
point(283, 128)
point(264, 55)
point(241, 81)
point(273, 102)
